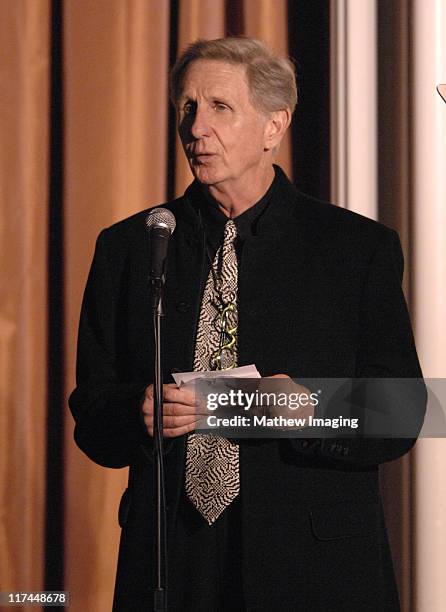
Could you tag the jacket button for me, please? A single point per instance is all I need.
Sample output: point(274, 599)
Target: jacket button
point(183, 306)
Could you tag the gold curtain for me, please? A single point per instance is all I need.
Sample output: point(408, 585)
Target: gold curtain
point(115, 162)
point(116, 64)
point(24, 128)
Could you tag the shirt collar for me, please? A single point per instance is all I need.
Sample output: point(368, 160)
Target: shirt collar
point(214, 219)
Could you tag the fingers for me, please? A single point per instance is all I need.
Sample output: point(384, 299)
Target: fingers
point(179, 396)
point(181, 411)
point(172, 422)
point(175, 410)
point(174, 426)
point(172, 394)
point(177, 429)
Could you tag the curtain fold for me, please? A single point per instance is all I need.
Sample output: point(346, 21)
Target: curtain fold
point(115, 64)
point(428, 155)
point(267, 20)
point(353, 98)
point(24, 126)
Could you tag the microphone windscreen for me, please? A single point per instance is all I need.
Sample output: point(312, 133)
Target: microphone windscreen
point(160, 217)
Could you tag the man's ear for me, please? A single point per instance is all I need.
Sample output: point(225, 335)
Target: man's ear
point(276, 126)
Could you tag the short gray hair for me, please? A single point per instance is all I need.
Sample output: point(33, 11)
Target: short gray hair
point(271, 78)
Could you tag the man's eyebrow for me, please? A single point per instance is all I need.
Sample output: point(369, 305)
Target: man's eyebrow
point(221, 96)
point(183, 100)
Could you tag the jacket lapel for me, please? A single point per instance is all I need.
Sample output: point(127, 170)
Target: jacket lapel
point(183, 289)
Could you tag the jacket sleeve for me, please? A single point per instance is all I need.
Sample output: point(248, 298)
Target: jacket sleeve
point(386, 349)
point(109, 426)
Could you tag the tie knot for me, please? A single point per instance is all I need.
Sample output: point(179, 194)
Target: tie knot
point(230, 231)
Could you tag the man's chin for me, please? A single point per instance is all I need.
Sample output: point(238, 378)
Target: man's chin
point(206, 175)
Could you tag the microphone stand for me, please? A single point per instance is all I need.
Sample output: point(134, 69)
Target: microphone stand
point(160, 591)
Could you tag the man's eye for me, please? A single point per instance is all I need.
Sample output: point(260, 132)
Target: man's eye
point(189, 108)
point(220, 106)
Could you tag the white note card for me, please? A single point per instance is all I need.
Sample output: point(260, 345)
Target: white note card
point(249, 371)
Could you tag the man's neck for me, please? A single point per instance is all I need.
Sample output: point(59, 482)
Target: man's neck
point(234, 199)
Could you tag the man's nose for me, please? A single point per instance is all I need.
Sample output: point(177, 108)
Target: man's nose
point(201, 125)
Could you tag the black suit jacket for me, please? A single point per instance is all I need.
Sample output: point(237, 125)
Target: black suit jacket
point(319, 296)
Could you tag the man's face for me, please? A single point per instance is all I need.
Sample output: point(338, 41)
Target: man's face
point(223, 135)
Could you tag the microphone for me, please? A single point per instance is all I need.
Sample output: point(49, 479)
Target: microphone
point(160, 224)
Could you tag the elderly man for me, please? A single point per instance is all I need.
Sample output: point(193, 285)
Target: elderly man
point(309, 290)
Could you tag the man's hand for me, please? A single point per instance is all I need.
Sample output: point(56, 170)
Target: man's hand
point(304, 411)
point(181, 410)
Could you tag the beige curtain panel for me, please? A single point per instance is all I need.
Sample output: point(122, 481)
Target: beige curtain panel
point(87, 137)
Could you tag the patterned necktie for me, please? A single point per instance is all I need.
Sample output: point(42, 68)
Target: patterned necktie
point(212, 462)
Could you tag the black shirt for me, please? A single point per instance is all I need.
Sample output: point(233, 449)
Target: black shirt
point(214, 220)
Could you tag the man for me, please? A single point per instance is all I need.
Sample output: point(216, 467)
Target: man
point(313, 291)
